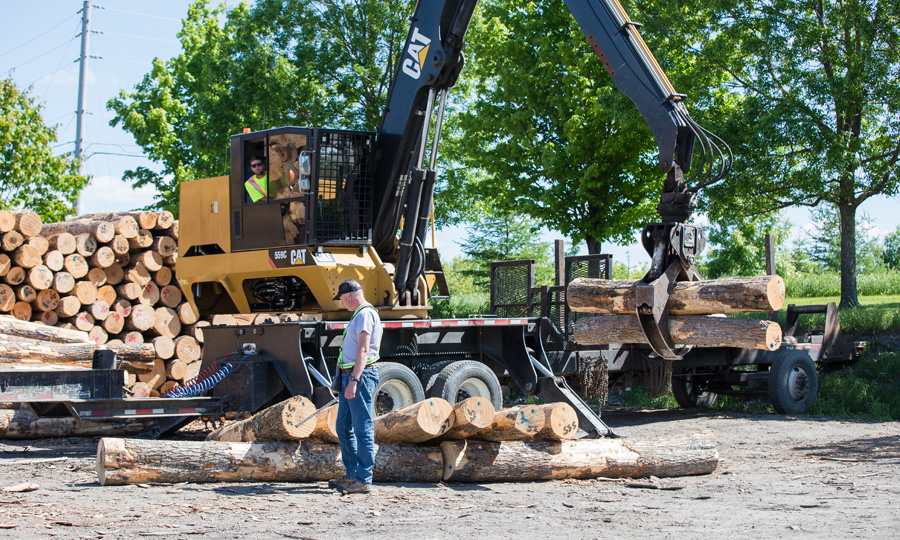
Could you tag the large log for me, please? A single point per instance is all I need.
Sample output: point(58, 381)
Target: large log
point(14, 327)
point(5, 264)
point(40, 243)
point(102, 230)
point(15, 276)
point(14, 349)
point(11, 240)
point(7, 221)
point(730, 295)
point(685, 330)
point(27, 222)
point(63, 282)
point(145, 219)
point(76, 265)
point(516, 461)
point(54, 260)
point(414, 423)
point(560, 422)
point(63, 242)
point(514, 424)
point(40, 277)
point(22, 310)
point(26, 256)
point(166, 322)
point(469, 417)
point(143, 240)
point(164, 220)
point(291, 420)
point(138, 461)
point(24, 424)
point(7, 298)
point(47, 300)
point(85, 244)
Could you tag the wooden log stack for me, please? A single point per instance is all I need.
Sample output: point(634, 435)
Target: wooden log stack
point(110, 276)
point(696, 312)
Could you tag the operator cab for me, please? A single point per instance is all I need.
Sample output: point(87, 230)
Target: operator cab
point(301, 186)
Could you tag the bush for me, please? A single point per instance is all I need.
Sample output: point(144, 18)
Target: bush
point(811, 285)
point(869, 389)
point(461, 306)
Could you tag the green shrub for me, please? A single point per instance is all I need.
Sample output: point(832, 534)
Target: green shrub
point(868, 389)
point(461, 306)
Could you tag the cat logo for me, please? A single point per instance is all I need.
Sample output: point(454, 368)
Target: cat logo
point(418, 50)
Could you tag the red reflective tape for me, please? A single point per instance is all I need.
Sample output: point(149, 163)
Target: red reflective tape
point(45, 396)
point(188, 410)
point(9, 396)
point(99, 413)
point(143, 411)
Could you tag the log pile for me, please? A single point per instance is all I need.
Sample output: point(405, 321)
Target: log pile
point(429, 441)
point(696, 312)
point(110, 276)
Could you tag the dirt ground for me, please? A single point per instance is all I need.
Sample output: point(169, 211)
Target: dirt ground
point(779, 477)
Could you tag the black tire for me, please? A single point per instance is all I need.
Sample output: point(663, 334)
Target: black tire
point(690, 395)
point(465, 379)
point(397, 387)
point(428, 373)
point(793, 382)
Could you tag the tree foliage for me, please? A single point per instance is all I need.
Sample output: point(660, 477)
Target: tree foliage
point(30, 175)
point(891, 249)
point(821, 117)
point(506, 237)
point(281, 62)
point(738, 248)
point(544, 131)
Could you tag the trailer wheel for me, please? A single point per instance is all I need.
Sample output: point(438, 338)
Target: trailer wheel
point(397, 387)
point(793, 382)
point(465, 379)
point(690, 395)
point(428, 373)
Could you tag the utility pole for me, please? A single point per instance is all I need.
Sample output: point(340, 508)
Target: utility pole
point(82, 75)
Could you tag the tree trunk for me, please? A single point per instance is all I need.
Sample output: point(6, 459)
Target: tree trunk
point(469, 417)
point(731, 295)
point(291, 420)
point(849, 296)
point(686, 330)
point(24, 424)
point(14, 349)
point(414, 423)
point(514, 424)
point(137, 461)
point(14, 327)
point(481, 461)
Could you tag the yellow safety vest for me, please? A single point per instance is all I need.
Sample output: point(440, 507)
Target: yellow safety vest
point(369, 361)
point(256, 188)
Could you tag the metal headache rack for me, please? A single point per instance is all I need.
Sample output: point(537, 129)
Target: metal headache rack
point(344, 187)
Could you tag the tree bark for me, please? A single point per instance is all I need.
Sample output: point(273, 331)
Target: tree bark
point(482, 461)
point(14, 349)
point(560, 422)
point(24, 424)
point(849, 296)
point(686, 330)
point(102, 230)
point(414, 423)
point(291, 420)
point(326, 425)
point(730, 295)
point(138, 461)
point(14, 327)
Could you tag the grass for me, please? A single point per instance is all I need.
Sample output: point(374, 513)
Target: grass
point(875, 316)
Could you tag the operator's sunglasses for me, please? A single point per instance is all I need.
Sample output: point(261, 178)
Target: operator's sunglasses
point(255, 165)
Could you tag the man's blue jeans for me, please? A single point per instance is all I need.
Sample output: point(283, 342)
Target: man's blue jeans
point(356, 431)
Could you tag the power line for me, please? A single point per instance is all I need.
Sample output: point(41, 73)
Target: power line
point(140, 14)
point(139, 37)
point(40, 35)
point(44, 53)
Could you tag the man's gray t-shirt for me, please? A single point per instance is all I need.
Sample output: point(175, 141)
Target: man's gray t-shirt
point(367, 320)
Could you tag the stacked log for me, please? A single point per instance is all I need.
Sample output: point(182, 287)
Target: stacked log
point(110, 276)
point(696, 312)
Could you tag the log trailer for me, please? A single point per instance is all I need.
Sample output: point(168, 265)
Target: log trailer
point(344, 204)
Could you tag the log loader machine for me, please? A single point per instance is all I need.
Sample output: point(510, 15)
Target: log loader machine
point(340, 204)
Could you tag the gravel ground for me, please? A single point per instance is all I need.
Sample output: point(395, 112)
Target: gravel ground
point(779, 477)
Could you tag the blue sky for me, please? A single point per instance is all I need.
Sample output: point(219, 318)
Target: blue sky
point(41, 47)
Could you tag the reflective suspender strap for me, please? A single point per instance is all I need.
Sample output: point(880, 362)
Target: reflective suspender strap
point(369, 361)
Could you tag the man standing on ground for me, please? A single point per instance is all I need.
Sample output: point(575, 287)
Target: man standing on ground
point(356, 369)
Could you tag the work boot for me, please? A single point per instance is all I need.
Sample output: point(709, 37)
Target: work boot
point(335, 482)
point(353, 487)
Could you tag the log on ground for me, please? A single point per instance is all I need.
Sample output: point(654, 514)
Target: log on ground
point(514, 424)
point(24, 424)
point(714, 296)
point(138, 461)
point(414, 423)
point(285, 421)
point(516, 461)
point(469, 417)
point(685, 330)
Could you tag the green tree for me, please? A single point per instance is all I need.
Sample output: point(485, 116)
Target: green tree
point(30, 175)
point(543, 131)
point(824, 242)
point(819, 123)
point(891, 249)
point(738, 248)
point(506, 237)
point(281, 62)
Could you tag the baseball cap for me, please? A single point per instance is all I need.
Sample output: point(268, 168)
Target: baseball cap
point(347, 286)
